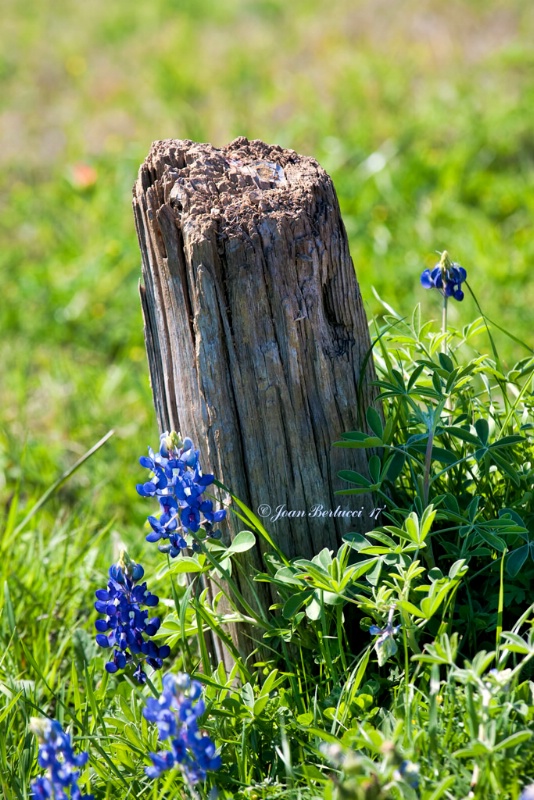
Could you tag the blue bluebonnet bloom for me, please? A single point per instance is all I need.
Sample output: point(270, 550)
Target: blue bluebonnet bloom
point(447, 276)
point(176, 714)
point(385, 645)
point(127, 624)
point(527, 793)
point(409, 773)
point(57, 757)
point(388, 630)
point(178, 483)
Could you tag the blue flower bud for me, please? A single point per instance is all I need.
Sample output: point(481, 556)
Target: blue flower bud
point(176, 714)
point(446, 277)
point(127, 625)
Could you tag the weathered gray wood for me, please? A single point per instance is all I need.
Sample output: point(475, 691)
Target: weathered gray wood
point(255, 328)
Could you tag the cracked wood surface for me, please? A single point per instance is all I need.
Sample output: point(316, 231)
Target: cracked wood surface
point(255, 328)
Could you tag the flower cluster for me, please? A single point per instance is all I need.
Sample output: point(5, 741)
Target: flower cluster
point(128, 624)
point(57, 757)
point(178, 483)
point(447, 276)
point(176, 714)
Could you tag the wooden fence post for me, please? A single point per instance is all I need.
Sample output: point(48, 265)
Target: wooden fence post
point(255, 330)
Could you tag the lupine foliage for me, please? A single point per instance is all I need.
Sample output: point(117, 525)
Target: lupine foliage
point(399, 665)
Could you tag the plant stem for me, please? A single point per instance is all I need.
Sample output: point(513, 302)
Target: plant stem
point(428, 463)
point(444, 324)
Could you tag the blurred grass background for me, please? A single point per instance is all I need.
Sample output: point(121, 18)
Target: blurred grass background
point(420, 110)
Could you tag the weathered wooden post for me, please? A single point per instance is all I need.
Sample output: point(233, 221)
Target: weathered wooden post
point(255, 329)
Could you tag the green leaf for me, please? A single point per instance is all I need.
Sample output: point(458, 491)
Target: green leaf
point(186, 564)
point(509, 512)
point(395, 466)
point(516, 559)
point(429, 605)
point(259, 705)
point(373, 487)
point(313, 610)
point(326, 737)
point(247, 695)
point(442, 787)
point(515, 643)
point(323, 559)
point(440, 454)
point(461, 433)
point(374, 421)
point(355, 436)
point(288, 575)
point(446, 362)
point(415, 374)
point(373, 576)
point(436, 381)
point(396, 532)
point(374, 469)
point(451, 380)
point(369, 441)
point(505, 467)
point(427, 519)
point(405, 605)
point(304, 564)
point(294, 603)
point(411, 524)
point(398, 377)
point(353, 477)
point(506, 441)
point(495, 541)
point(356, 541)
point(482, 428)
point(380, 536)
point(512, 741)
point(242, 542)
point(476, 750)
point(458, 569)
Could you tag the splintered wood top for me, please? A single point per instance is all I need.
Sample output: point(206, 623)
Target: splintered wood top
point(233, 185)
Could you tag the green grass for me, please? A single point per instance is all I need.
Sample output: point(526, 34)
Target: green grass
point(422, 116)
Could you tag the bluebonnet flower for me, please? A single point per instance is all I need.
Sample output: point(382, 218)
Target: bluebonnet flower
point(176, 714)
point(385, 645)
point(527, 793)
point(178, 483)
point(409, 773)
point(447, 276)
point(128, 624)
point(57, 757)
